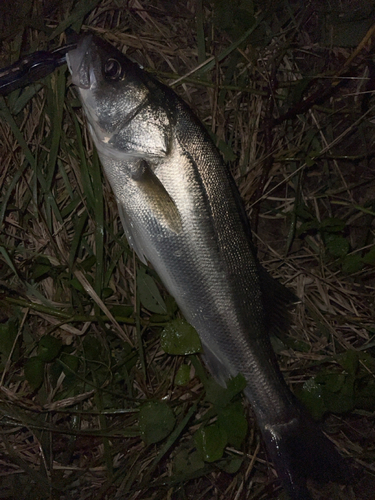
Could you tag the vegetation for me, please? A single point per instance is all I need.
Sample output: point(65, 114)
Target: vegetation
point(103, 394)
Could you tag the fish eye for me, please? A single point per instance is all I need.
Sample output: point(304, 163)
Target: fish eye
point(113, 69)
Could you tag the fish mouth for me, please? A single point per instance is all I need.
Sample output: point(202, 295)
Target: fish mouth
point(80, 63)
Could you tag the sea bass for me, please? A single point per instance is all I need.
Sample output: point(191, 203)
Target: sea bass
point(182, 213)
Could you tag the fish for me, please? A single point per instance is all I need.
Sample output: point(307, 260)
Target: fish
point(182, 213)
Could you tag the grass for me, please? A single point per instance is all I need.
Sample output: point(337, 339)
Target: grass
point(287, 94)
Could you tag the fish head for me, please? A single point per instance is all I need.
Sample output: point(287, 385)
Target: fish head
point(123, 105)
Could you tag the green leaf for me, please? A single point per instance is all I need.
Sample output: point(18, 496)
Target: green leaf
point(70, 361)
point(156, 421)
point(49, 348)
point(332, 225)
point(159, 318)
point(34, 372)
point(236, 385)
point(179, 337)
point(76, 285)
point(223, 147)
point(304, 213)
point(231, 466)
point(365, 395)
point(210, 442)
point(121, 311)
point(337, 246)
point(235, 17)
point(93, 348)
point(352, 264)
point(171, 304)
point(221, 396)
point(70, 368)
point(348, 27)
point(368, 363)
point(295, 96)
point(107, 292)
point(226, 151)
point(129, 355)
point(332, 382)
point(233, 421)
point(349, 360)
point(149, 294)
point(338, 391)
point(369, 257)
point(298, 345)
point(305, 227)
point(311, 396)
point(183, 375)
point(187, 461)
point(41, 267)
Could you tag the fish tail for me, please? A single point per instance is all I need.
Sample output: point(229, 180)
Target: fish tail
point(299, 450)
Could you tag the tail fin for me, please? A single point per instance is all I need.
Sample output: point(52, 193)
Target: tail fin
point(299, 450)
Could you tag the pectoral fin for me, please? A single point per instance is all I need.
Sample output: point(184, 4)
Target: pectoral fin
point(157, 199)
point(156, 204)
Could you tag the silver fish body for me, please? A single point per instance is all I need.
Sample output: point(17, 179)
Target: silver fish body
point(182, 213)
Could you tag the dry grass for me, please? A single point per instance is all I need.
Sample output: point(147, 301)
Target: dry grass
point(308, 182)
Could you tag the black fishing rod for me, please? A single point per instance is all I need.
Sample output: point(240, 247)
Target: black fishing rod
point(32, 67)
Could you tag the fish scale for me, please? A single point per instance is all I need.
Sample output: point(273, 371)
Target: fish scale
point(182, 212)
point(243, 319)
